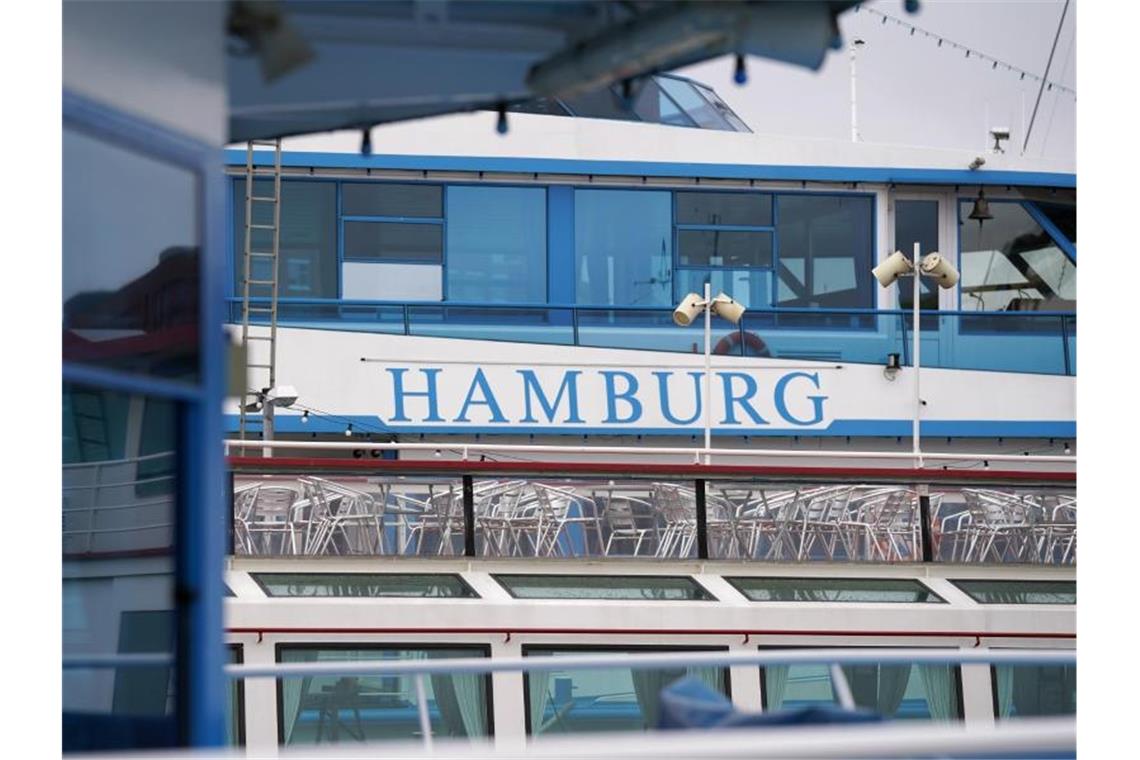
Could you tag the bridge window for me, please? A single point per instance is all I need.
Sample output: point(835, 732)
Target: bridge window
point(307, 258)
point(1022, 691)
point(624, 247)
point(825, 251)
point(322, 709)
point(1009, 263)
point(906, 691)
point(363, 584)
point(496, 244)
point(602, 699)
point(917, 222)
point(1019, 592)
point(628, 587)
point(855, 590)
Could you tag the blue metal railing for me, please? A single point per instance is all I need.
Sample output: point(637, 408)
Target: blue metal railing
point(1031, 342)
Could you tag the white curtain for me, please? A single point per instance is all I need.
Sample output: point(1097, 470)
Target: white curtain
point(647, 686)
point(941, 691)
point(878, 687)
point(775, 685)
point(1004, 678)
point(293, 689)
point(711, 677)
point(538, 686)
point(461, 701)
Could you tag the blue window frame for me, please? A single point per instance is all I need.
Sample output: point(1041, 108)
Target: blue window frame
point(623, 243)
point(191, 386)
point(391, 223)
point(496, 244)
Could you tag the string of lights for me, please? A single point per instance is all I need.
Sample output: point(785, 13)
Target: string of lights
point(971, 53)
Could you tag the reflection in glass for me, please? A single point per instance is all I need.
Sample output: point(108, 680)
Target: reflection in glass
point(1020, 592)
point(384, 199)
point(728, 248)
point(624, 245)
point(496, 244)
point(119, 487)
point(393, 242)
point(609, 699)
point(307, 258)
point(629, 587)
point(235, 697)
point(1022, 691)
point(735, 209)
point(748, 287)
point(435, 586)
point(1009, 263)
point(825, 256)
point(917, 222)
point(130, 260)
point(322, 709)
point(856, 590)
point(705, 114)
point(923, 692)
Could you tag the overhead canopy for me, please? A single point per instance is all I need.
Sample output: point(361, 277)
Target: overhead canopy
point(299, 67)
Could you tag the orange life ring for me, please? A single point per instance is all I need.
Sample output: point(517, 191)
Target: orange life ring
point(754, 345)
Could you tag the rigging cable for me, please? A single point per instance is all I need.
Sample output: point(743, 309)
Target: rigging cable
point(1041, 89)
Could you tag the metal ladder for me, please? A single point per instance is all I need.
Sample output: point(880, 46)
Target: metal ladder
point(253, 419)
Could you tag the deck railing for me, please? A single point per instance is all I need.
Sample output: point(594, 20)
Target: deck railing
point(1018, 341)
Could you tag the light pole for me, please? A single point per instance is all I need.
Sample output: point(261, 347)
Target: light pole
point(683, 316)
point(931, 265)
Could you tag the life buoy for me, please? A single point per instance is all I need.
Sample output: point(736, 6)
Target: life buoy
point(754, 345)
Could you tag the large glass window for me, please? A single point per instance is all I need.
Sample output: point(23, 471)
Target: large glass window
point(393, 242)
point(825, 251)
point(391, 200)
point(307, 257)
point(1020, 592)
point(1009, 263)
point(435, 585)
point(130, 259)
point(602, 699)
point(916, 221)
point(858, 590)
point(929, 692)
point(626, 587)
point(321, 709)
point(496, 244)
point(1022, 691)
point(624, 247)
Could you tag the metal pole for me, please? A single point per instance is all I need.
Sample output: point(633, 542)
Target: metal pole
point(842, 688)
point(854, 113)
point(708, 373)
point(422, 710)
point(916, 332)
point(267, 425)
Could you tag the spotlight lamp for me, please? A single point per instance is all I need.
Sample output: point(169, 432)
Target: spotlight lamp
point(724, 306)
point(894, 267)
point(688, 310)
point(893, 367)
point(935, 265)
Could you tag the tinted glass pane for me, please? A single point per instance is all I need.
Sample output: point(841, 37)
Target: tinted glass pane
point(654, 106)
point(362, 584)
point(609, 699)
point(1009, 263)
point(1064, 216)
point(378, 199)
point(117, 541)
point(1024, 691)
point(740, 209)
point(351, 709)
point(235, 696)
point(698, 109)
point(825, 254)
point(722, 108)
point(917, 222)
point(624, 245)
point(1020, 592)
point(903, 691)
point(871, 590)
point(130, 260)
point(750, 287)
point(393, 241)
point(729, 248)
point(496, 244)
point(601, 104)
point(630, 587)
point(545, 106)
point(307, 258)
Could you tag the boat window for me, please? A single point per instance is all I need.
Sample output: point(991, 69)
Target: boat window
point(1064, 216)
point(628, 587)
point(732, 209)
point(496, 244)
point(235, 701)
point(1019, 592)
point(859, 590)
point(307, 260)
point(916, 221)
point(434, 585)
point(349, 709)
point(392, 201)
point(603, 699)
point(899, 691)
point(1009, 263)
point(1022, 691)
point(825, 251)
point(624, 247)
point(394, 242)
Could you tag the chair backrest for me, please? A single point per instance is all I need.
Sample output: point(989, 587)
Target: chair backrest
point(273, 504)
point(244, 499)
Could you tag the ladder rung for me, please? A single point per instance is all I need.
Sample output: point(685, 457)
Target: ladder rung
point(262, 169)
point(258, 337)
point(261, 226)
point(259, 366)
point(263, 254)
point(262, 282)
point(266, 199)
point(263, 141)
point(259, 310)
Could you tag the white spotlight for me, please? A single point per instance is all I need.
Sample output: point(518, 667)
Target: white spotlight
point(895, 266)
point(726, 308)
point(688, 310)
point(935, 265)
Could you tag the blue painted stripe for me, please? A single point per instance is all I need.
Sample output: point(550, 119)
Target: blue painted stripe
point(839, 428)
point(667, 169)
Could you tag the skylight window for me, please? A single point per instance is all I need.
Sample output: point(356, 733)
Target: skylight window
point(855, 590)
point(435, 585)
point(627, 587)
point(1020, 592)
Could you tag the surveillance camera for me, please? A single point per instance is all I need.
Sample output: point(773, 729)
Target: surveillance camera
point(895, 266)
point(688, 310)
point(282, 395)
point(1000, 133)
point(935, 265)
point(726, 308)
